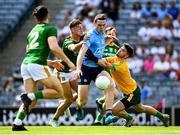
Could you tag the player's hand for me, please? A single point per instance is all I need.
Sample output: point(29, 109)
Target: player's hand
point(57, 64)
point(110, 66)
point(85, 38)
point(71, 66)
point(102, 62)
point(77, 74)
point(111, 38)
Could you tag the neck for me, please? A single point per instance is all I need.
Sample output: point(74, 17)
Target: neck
point(75, 37)
point(45, 21)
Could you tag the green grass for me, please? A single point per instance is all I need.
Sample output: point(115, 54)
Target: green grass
point(93, 130)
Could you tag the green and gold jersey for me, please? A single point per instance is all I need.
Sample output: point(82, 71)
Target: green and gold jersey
point(110, 50)
point(37, 49)
point(70, 54)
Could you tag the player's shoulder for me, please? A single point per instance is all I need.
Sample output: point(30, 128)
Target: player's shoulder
point(68, 40)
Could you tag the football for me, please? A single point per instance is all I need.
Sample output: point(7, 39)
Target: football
point(102, 82)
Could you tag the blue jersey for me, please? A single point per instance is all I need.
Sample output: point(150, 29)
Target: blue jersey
point(96, 43)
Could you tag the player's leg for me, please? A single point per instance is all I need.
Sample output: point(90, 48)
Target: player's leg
point(109, 98)
point(152, 111)
point(30, 87)
point(43, 75)
point(100, 101)
point(100, 107)
point(89, 73)
point(68, 95)
point(81, 100)
point(119, 110)
point(68, 99)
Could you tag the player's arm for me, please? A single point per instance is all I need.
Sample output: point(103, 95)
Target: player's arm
point(79, 61)
point(80, 56)
point(75, 47)
point(55, 64)
point(57, 51)
point(101, 62)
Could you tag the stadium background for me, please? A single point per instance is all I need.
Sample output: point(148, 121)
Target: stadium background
point(16, 21)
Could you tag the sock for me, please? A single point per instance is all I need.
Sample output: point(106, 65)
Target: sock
point(99, 117)
point(159, 115)
point(31, 96)
point(129, 117)
point(38, 95)
point(108, 112)
point(101, 100)
point(19, 118)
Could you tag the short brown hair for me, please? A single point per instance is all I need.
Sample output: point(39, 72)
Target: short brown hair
point(74, 23)
point(129, 49)
point(100, 17)
point(40, 12)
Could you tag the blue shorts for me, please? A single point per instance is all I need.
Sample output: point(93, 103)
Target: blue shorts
point(89, 74)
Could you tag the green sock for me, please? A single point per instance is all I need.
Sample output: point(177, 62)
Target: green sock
point(159, 115)
point(38, 95)
point(101, 100)
point(20, 115)
point(99, 117)
point(129, 117)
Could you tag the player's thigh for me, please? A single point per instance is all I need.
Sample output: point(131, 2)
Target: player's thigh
point(52, 82)
point(74, 85)
point(83, 92)
point(29, 85)
point(67, 90)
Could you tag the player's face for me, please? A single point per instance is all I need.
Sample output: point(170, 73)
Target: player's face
point(100, 25)
point(122, 52)
point(112, 32)
point(78, 30)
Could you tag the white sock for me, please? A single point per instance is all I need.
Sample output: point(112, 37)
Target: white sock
point(31, 96)
point(18, 122)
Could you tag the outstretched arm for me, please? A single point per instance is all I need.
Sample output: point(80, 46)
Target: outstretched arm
point(57, 51)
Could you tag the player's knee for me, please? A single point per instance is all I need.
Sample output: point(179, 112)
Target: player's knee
point(114, 111)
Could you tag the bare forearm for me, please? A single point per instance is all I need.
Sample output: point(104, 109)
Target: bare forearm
point(79, 62)
point(60, 54)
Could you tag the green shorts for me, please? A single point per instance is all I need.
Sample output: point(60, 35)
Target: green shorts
point(132, 99)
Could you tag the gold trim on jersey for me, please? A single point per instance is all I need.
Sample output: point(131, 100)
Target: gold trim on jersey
point(130, 97)
point(47, 71)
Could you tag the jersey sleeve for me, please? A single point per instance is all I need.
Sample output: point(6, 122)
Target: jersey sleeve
point(52, 31)
point(88, 42)
point(66, 43)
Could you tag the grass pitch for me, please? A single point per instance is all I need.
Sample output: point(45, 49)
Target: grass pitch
point(93, 130)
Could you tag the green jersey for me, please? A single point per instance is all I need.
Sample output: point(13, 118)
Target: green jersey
point(70, 54)
point(110, 50)
point(37, 49)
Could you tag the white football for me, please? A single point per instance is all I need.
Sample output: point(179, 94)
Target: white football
point(102, 82)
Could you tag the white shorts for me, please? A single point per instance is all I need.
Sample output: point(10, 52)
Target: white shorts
point(35, 71)
point(64, 77)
